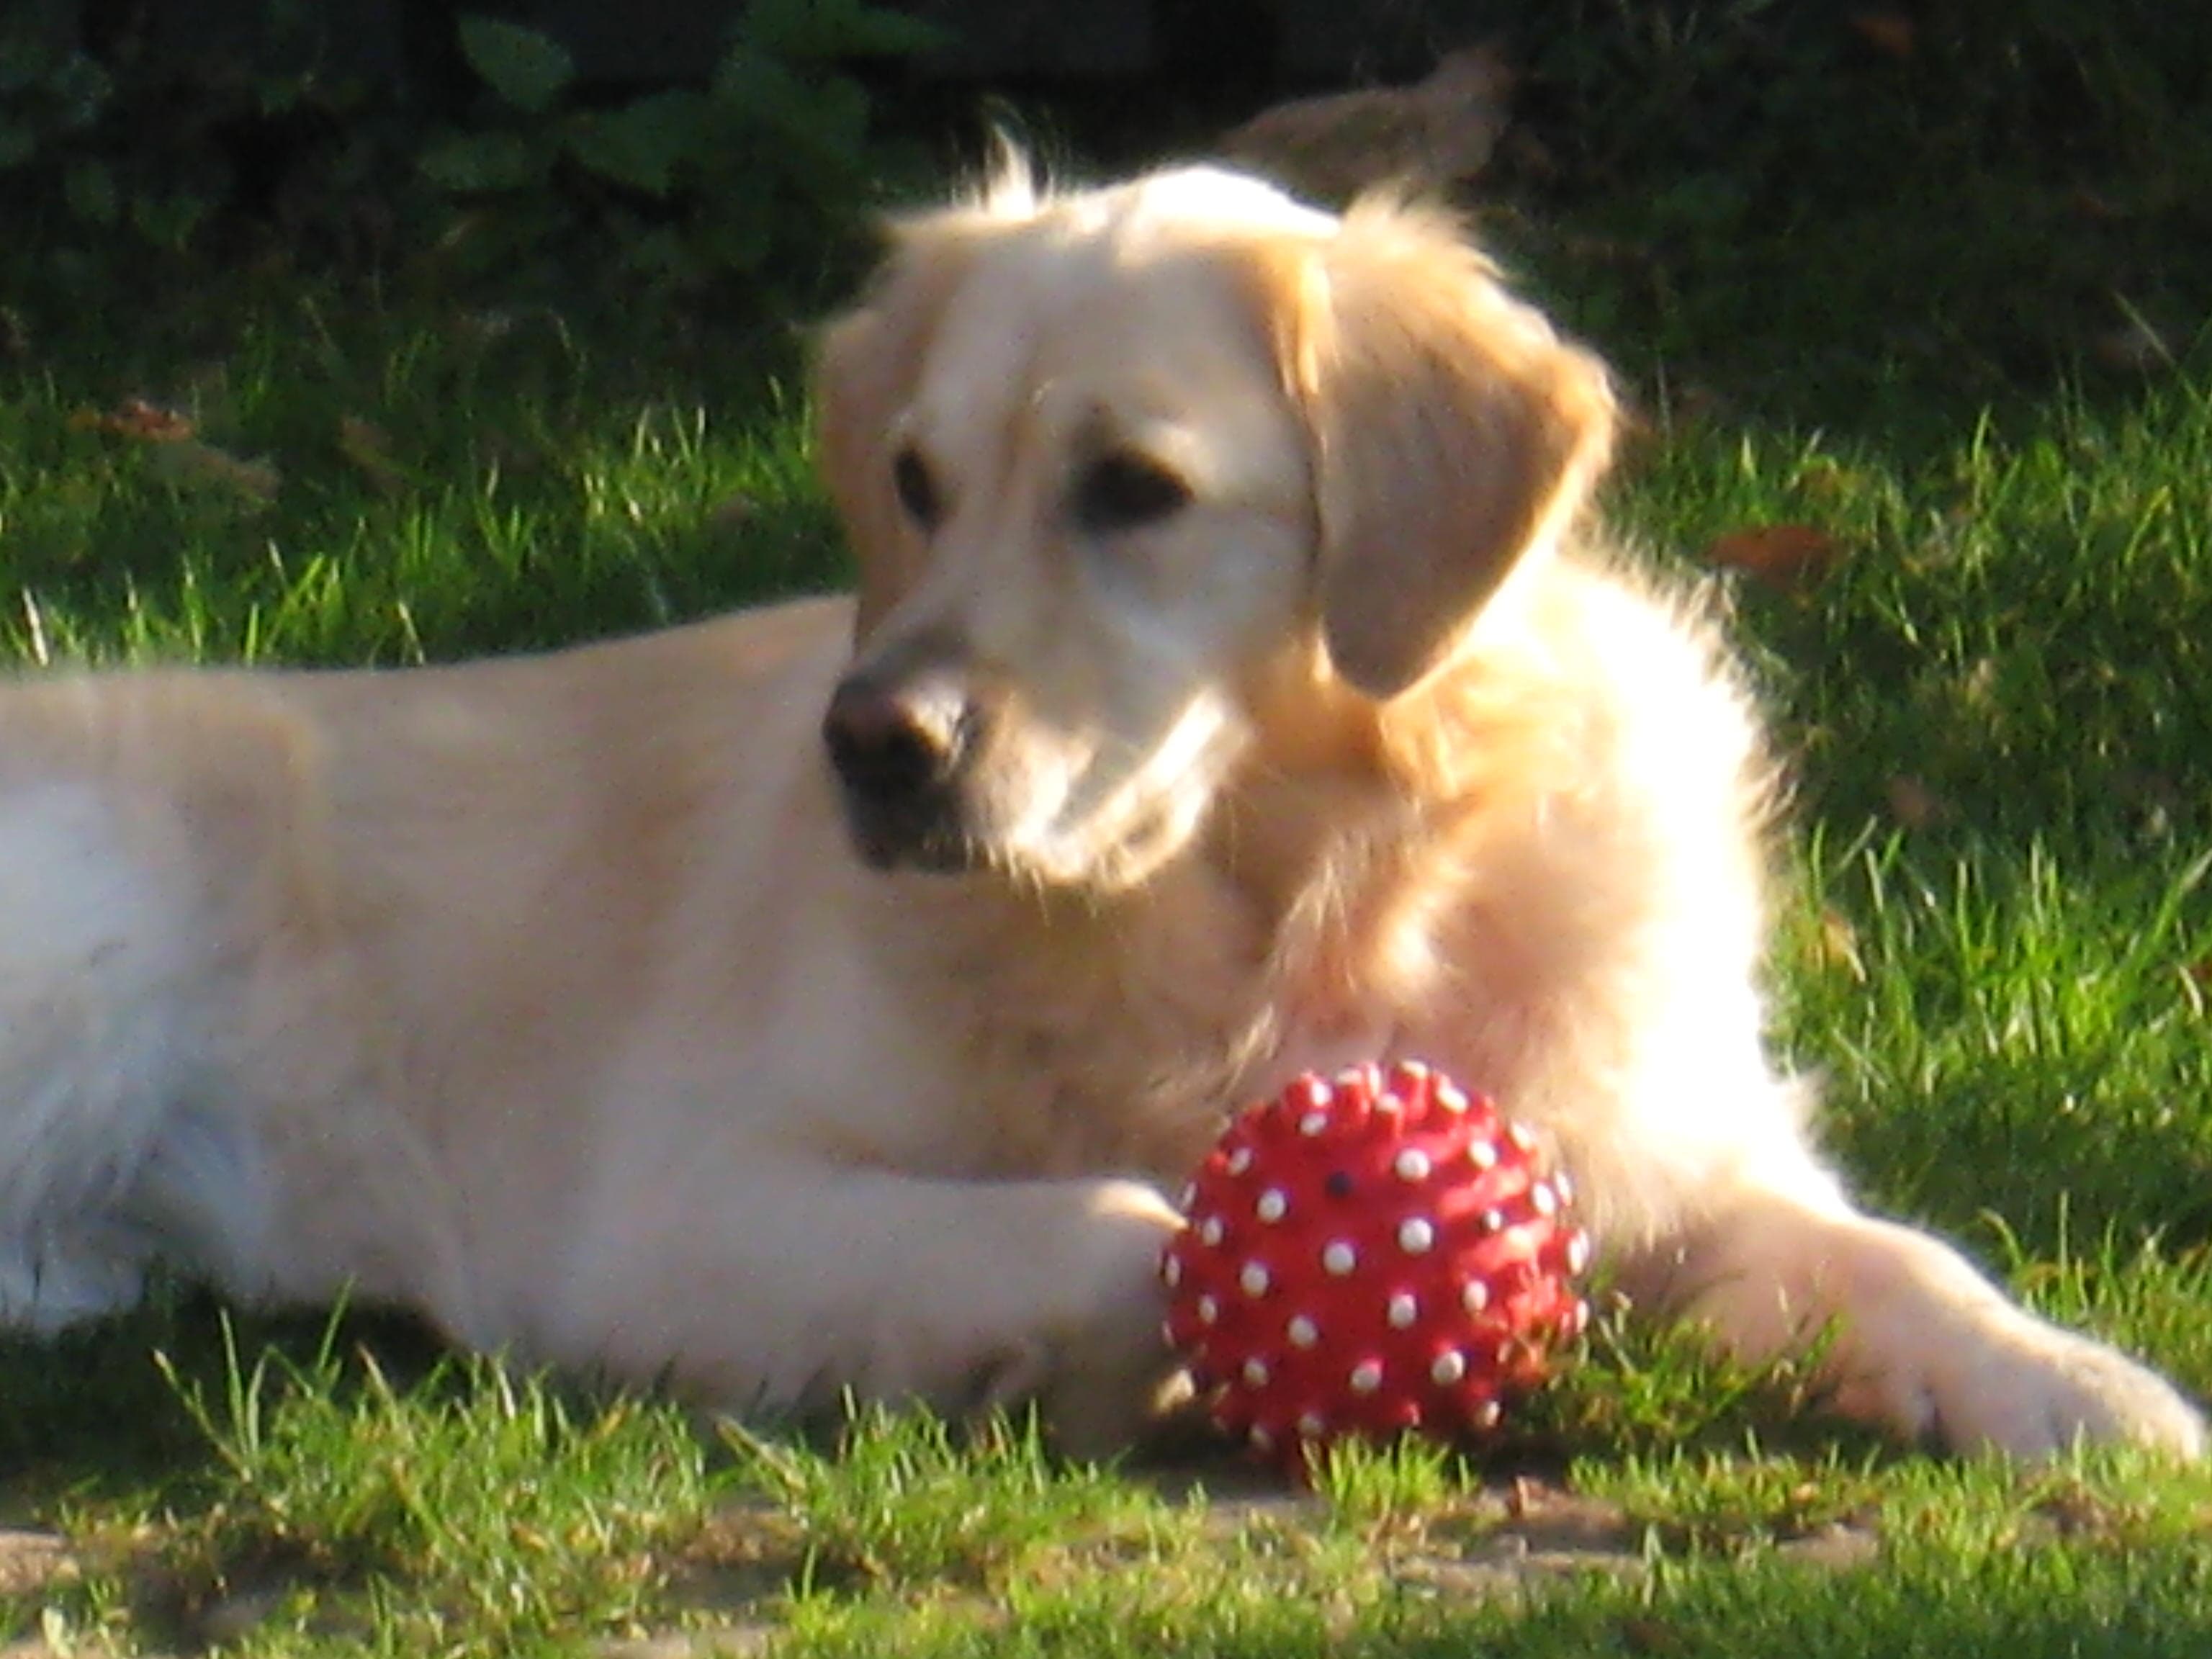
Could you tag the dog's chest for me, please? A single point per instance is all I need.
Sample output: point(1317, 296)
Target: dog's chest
point(1122, 1044)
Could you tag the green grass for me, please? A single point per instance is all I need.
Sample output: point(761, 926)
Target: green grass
point(437, 488)
point(1996, 949)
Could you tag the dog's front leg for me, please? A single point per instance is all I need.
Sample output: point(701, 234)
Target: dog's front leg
point(802, 1279)
point(1918, 1340)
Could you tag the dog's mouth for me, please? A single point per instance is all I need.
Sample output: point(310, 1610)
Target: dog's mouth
point(927, 838)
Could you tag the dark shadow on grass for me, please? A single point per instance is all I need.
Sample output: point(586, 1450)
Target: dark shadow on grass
point(102, 1409)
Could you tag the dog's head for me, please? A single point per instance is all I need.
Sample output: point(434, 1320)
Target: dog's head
point(1112, 459)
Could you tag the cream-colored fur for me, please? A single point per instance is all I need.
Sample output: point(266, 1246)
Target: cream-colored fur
point(1234, 687)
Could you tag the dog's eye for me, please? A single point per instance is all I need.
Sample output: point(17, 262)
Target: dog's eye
point(917, 490)
point(1126, 491)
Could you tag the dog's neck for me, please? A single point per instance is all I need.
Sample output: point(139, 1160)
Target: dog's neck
point(1308, 925)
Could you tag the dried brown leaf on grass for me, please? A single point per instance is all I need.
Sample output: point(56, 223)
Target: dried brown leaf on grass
point(367, 447)
point(1913, 803)
point(177, 454)
point(2138, 344)
point(1437, 134)
point(734, 513)
point(137, 420)
point(1790, 557)
point(1892, 33)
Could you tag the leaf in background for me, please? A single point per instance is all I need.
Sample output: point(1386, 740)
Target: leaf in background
point(81, 88)
point(880, 32)
point(643, 144)
point(1791, 557)
point(89, 189)
point(475, 163)
point(740, 234)
point(761, 85)
point(526, 69)
point(824, 31)
point(169, 220)
point(27, 61)
point(839, 126)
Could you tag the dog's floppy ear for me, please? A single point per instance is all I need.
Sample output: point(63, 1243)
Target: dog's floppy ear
point(866, 368)
point(1451, 431)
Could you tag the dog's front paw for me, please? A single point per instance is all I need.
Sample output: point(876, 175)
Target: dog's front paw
point(1111, 1380)
point(1911, 1338)
point(2013, 1384)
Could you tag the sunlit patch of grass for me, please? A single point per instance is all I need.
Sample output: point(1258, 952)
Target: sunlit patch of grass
point(472, 1509)
point(1735, 1500)
point(1640, 1387)
point(904, 1495)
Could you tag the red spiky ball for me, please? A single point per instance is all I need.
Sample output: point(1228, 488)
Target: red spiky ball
point(1370, 1254)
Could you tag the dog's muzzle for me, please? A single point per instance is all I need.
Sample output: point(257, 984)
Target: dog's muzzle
point(901, 752)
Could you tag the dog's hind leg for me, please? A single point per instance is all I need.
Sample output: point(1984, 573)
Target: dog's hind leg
point(99, 1053)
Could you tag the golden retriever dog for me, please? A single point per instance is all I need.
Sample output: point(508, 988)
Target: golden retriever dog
point(824, 998)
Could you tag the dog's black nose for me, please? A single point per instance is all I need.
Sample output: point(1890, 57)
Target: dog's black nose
point(890, 748)
point(903, 741)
